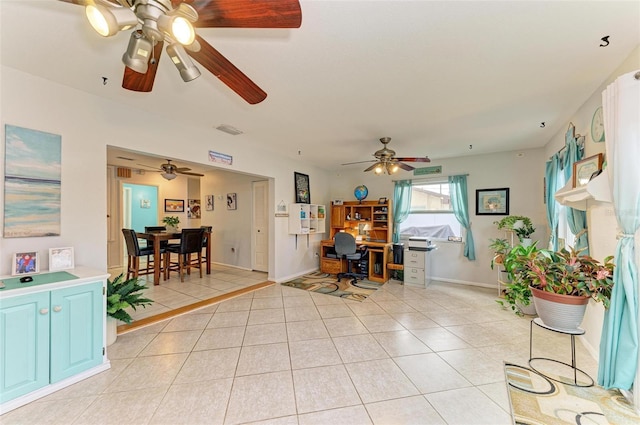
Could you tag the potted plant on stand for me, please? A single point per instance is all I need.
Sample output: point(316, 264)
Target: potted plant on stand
point(562, 282)
point(122, 294)
point(500, 247)
point(517, 292)
point(172, 223)
point(524, 233)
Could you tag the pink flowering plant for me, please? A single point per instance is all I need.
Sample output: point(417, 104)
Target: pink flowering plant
point(566, 272)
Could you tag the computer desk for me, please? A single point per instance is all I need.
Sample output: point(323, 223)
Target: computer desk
point(378, 255)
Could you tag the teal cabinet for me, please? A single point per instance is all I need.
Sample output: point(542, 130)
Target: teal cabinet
point(24, 336)
point(49, 336)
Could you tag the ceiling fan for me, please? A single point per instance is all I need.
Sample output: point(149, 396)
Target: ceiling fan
point(155, 22)
point(386, 160)
point(169, 171)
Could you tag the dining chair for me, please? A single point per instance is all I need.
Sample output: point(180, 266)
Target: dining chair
point(190, 243)
point(205, 241)
point(134, 252)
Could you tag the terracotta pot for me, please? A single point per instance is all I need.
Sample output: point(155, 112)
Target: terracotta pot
point(563, 312)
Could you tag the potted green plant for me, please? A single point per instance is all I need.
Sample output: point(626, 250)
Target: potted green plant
point(511, 222)
point(562, 282)
point(122, 294)
point(172, 223)
point(524, 232)
point(517, 292)
point(499, 247)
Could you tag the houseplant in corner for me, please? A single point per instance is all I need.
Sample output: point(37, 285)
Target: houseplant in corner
point(122, 294)
point(171, 223)
point(562, 282)
point(517, 292)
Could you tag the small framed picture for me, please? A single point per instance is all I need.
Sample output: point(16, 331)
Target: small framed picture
point(303, 195)
point(584, 169)
point(337, 202)
point(193, 209)
point(174, 205)
point(492, 201)
point(145, 203)
point(232, 201)
point(25, 263)
point(210, 201)
point(382, 200)
point(60, 258)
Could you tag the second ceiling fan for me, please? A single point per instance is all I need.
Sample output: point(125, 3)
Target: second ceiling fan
point(387, 162)
point(169, 171)
point(155, 22)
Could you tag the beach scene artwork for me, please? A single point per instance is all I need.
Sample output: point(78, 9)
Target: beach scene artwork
point(31, 183)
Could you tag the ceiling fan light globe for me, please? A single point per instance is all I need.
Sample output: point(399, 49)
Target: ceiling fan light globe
point(394, 168)
point(183, 31)
point(168, 176)
point(378, 169)
point(107, 21)
point(138, 52)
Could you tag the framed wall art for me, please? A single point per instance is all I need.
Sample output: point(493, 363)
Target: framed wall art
point(32, 183)
point(232, 200)
point(585, 168)
point(303, 195)
point(61, 258)
point(25, 263)
point(193, 209)
point(492, 201)
point(174, 205)
point(210, 202)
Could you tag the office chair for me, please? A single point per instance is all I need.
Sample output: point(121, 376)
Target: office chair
point(345, 246)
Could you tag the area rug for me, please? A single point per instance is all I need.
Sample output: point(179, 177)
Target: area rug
point(324, 283)
point(536, 399)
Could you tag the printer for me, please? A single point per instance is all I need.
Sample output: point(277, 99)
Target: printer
point(420, 243)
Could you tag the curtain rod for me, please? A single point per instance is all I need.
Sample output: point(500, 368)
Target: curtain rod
point(433, 177)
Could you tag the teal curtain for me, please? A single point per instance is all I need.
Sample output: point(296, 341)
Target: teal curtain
point(460, 203)
point(551, 176)
point(619, 346)
point(401, 206)
point(577, 220)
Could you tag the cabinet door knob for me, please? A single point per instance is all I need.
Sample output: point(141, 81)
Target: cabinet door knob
point(44, 311)
point(57, 308)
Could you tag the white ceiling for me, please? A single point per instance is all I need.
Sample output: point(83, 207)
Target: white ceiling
point(435, 76)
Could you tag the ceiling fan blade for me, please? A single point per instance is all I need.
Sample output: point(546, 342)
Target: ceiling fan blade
point(372, 167)
point(149, 166)
point(220, 66)
point(189, 174)
point(135, 81)
point(410, 159)
point(180, 169)
point(359, 162)
point(404, 166)
point(248, 13)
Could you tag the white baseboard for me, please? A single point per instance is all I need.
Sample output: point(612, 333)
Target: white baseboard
point(293, 276)
point(464, 282)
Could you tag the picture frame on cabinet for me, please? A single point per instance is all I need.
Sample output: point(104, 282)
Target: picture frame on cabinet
point(25, 263)
point(492, 201)
point(303, 194)
point(61, 258)
point(382, 200)
point(338, 202)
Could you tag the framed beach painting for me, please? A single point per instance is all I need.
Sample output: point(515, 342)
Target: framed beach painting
point(492, 201)
point(174, 205)
point(31, 183)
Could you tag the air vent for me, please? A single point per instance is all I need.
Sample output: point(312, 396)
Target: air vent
point(123, 172)
point(124, 158)
point(228, 129)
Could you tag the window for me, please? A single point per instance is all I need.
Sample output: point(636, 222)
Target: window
point(431, 212)
point(565, 237)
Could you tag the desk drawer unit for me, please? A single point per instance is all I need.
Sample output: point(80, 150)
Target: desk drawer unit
point(331, 266)
point(414, 275)
point(414, 259)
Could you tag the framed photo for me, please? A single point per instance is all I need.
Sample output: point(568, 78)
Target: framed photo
point(174, 205)
point(232, 201)
point(303, 196)
point(382, 200)
point(25, 263)
point(281, 210)
point(338, 202)
point(210, 202)
point(584, 169)
point(145, 203)
point(193, 209)
point(60, 258)
point(492, 201)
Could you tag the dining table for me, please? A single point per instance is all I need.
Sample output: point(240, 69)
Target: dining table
point(156, 237)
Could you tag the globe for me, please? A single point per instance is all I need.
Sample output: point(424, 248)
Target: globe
point(361, 192)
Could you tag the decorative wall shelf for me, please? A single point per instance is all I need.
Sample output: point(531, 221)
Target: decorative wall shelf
point(597, 190)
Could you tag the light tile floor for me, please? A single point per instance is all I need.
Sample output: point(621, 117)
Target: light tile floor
point(284, 356)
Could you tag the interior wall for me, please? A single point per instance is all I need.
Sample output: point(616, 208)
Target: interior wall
point(600, 217)
point(89, 123)
point(522, 172)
